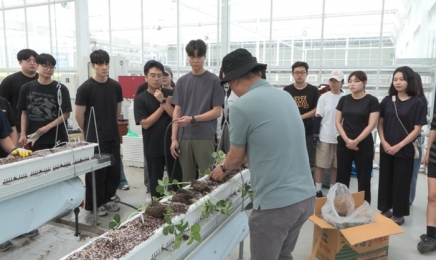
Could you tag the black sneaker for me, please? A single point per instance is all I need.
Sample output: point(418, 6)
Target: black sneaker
point(319, 194)
point(387, 213)
point(398, 220)
point(427, 245)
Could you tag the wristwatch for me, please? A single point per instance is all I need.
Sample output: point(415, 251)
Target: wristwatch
point(193, 121)
point(163, 101)
point(224, 169)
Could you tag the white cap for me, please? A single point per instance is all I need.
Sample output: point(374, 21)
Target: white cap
point(337, 75)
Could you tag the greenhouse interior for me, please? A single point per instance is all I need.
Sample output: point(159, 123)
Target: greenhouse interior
point(43, 210)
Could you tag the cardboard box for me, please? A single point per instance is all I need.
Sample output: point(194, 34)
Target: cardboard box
point(369, 241)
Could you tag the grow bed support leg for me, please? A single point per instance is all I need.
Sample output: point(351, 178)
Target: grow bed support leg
point(241, 250)
point(76, 214)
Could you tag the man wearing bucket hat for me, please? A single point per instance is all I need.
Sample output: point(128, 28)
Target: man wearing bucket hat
point(280, 173)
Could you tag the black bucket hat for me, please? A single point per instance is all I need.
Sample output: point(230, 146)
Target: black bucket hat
point(238, 63)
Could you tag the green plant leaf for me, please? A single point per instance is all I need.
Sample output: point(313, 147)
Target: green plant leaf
point(166, 230)
point(171, 230)
point(195, 228)
point(168, 220)
point(175, 182)
point(180, 235)
point(161, 183)
point(214, 155)
point(166, 181)
point(169, 210)
point(112, 224)
point(190, 240)
point(117, 218)
point(196, 236)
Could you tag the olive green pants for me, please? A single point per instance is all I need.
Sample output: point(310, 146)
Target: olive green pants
point(195, 154)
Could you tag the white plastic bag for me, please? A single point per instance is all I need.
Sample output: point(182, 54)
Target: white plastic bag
point(339, 210)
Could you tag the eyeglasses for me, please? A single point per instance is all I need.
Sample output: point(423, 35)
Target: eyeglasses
point(299, 72)
point(31, 61)
point(45, 67)
point(156, 76)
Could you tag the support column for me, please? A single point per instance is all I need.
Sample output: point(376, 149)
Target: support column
point(82, 39)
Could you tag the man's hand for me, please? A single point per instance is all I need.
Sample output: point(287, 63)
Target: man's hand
point(159, 95)
point(169, 99)
point(175, 149)
point(42, 130)
point(217, 174)
point(352, 144)
point(394, 149)
point(23, 140)
point(21, 152)
point(184, 121)
point(425, 161)
point(33, 138)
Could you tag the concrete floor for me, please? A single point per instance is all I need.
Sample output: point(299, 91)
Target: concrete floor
point(57, 240)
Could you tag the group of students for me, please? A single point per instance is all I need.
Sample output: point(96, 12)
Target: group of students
point(179, 123)
point(339, 128)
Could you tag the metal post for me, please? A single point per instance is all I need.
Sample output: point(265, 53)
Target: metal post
point(321, 60)
point(380, 47)
point(94, 198)
point(76, 214)
point(241, 250)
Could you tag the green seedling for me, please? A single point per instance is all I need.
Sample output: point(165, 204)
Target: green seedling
point(162, 186)
point(115, 222)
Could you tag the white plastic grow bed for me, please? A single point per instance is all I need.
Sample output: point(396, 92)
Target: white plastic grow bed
point(153, 245)
point(26, 168)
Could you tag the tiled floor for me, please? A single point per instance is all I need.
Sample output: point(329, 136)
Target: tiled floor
point(57, 240)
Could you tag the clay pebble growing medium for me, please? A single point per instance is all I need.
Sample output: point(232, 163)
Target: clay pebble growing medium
point(129, 235)
point(41, 153)
point(122, 240)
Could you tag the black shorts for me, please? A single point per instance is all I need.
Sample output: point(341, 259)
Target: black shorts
point(431, 172)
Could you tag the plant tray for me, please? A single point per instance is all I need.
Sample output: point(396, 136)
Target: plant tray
point(44, 163)
point(151, 247)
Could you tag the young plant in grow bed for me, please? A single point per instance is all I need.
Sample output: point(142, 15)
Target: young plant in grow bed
point(179, 230)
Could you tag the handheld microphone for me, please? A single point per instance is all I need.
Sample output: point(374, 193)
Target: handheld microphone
point(394, 98)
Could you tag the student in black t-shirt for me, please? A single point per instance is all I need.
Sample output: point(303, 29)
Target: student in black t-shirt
point(12, 120)
point(40, 108)
point(356, 116)
point(402, 115)
point(153, 111)
point(105, 96)
point(306, 96)
point(10, 87)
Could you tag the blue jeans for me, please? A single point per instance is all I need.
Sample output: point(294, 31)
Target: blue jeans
point(123, 180)
point(416, 166)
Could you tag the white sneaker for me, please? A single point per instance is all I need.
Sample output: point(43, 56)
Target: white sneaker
point(111, 206)
point(101, 211)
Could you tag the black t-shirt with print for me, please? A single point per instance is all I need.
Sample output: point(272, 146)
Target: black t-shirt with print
point(104, 97)
point(42, 107)
point(411, 112)
point(355, 114)
point(10, 90)
point(306, 99)
point(146, 104)
point(10, 117)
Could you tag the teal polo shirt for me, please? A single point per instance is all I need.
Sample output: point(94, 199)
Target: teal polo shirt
point(267, 122)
